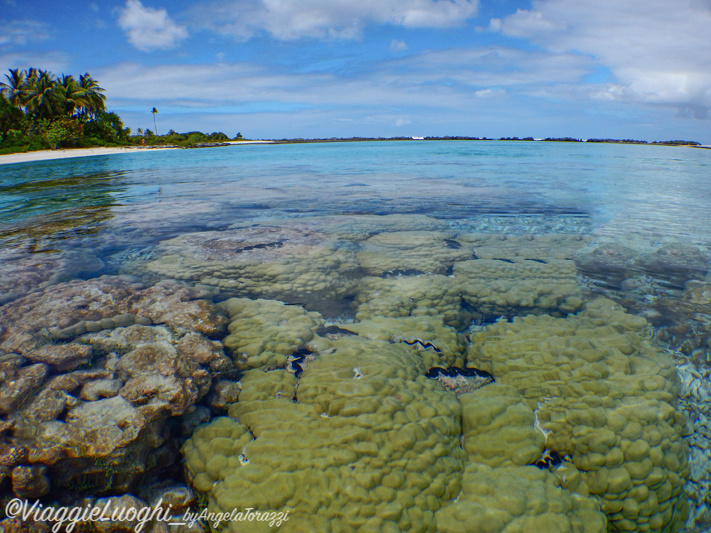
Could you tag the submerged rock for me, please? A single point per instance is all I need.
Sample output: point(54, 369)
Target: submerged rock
point(28, 322)
point(609, 263)
point(30, 482)
point(23, 269)
point(676, 263)
point(671, 263)
point(97, 411)
point(62, 358)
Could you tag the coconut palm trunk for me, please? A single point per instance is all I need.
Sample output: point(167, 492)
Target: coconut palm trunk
point(155, 126)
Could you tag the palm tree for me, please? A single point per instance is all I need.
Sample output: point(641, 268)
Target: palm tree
point(93, 99)
point(13, 89)
point(72, 93)
point(154, 111)
point(43, 97)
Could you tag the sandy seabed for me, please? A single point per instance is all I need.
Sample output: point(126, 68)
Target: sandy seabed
point(43, 155)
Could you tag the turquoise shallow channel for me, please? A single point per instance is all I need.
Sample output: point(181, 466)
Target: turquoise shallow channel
point(434, 336)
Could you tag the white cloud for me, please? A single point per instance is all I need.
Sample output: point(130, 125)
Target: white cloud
point(518, 98)
point(526, 23)
point(53, 61)
point(398, 46)
point(659, 52)
point(150, 29)
point(20, 32)
point(494, 25)
point(483, 68)
point(489, 93)
point(452, 79)
point(340, 19)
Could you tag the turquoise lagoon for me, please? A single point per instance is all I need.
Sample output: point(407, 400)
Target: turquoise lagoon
point(565, 224)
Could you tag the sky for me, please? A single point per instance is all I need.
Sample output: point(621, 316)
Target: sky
point(272, 69)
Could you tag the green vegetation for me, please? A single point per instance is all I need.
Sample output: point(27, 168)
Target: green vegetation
point(634, 141)
point(191, 139)
point(39, 110)
point(677, 143)
point(563, 139)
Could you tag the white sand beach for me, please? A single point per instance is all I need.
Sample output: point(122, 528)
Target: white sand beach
point(44, 155)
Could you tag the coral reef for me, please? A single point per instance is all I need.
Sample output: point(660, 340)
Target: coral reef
point(436, 343)
point(358, 228)
point(96, 411)
point(282, 263)
point(497, 414)
point(370, 443)
point(509, 287)
point(382, 421)
point(263, 333)
point(607, 263)
point(424, 295)
point(544, 247)
point(515, 498)
point(426, 252)
point(603, 394)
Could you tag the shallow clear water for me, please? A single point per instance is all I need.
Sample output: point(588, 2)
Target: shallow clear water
point(646, 190)
point(472, 233)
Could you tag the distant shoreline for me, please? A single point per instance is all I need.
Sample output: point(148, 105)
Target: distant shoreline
point(463, 138)
point(68, 153)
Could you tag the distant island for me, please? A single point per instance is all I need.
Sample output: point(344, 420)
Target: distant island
point(465, 138)
point(40, 111)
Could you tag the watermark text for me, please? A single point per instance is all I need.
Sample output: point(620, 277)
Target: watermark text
point(66, 518)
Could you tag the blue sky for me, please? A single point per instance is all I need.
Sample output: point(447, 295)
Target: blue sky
point(321, 68)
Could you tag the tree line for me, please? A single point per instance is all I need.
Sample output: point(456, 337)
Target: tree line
point(40, 110)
